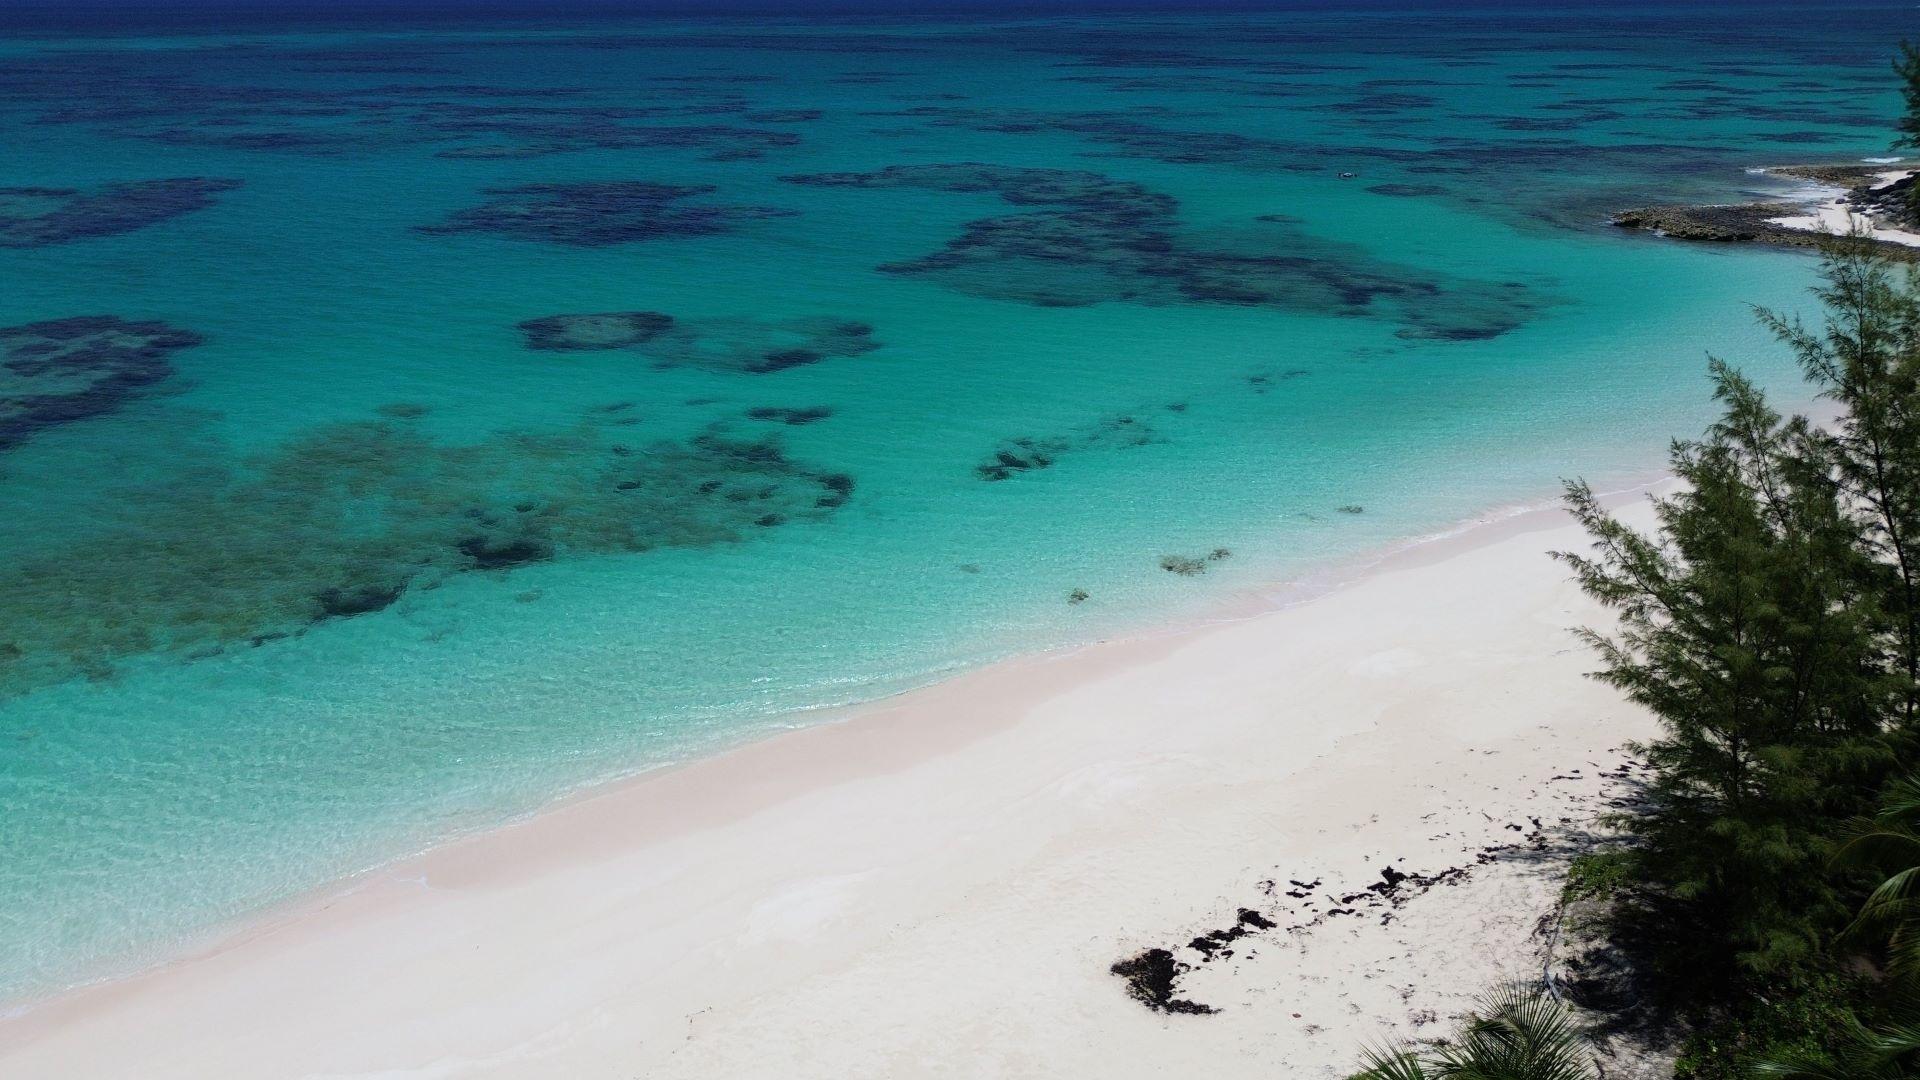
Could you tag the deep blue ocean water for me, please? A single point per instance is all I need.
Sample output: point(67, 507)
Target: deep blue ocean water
point(407, 418)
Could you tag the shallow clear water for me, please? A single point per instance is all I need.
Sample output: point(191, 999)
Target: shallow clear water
point(312, 557)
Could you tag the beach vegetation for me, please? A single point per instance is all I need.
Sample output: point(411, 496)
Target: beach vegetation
point(1598, 875)
point(1515, 1033)
point(1771, 621)
point(1907, 65)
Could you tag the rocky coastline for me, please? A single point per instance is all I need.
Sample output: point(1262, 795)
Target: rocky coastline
point(1866, 191)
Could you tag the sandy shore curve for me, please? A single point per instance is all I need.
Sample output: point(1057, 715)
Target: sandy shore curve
point(938, 884)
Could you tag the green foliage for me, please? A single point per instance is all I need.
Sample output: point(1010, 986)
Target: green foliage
point(1748, 626)
point(1794, 1017)
point(1907, 66)
point(1866, 359)
point(1514, 1034)
point(1772, 622)
point(1599, 875)
point(1890, 841)
point(1850, 1049)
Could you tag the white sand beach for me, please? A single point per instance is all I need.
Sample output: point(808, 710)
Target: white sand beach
point(936, 886)
point(1835, 215)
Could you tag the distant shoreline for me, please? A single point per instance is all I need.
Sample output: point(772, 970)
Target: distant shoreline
point(1867, 197)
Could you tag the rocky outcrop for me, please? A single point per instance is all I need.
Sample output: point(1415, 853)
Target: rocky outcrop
point(1757, 222)
point(1743, 222)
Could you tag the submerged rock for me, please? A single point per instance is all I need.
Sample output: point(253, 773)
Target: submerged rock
point(1756, 222)
point(39, 216)
point(359, 599)
point(759, 346)
point(65, 370)
point(601, 213)
point(347, 519)
point(1189, 566)
point(1083, 238)
point(789, 415)
point(1409, 191)
point(494, 552)
point(738, 344)
point(1031, 453)
point(603, 330)
point(1719, 224)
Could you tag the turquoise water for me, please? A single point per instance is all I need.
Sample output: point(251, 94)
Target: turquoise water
point(313, 557)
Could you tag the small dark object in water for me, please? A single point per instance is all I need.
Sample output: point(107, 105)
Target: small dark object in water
point(341, 603)
point(1077, 596)
point(503, 553)
point(788, 415)
point(1351, 508)
point(839, 489)
point(782, 359)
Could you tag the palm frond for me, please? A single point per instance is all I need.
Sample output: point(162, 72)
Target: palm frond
point(1390, 1063)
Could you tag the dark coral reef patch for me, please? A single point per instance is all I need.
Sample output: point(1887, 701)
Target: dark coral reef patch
point(63, 370)
point(601, 213)
point(41, 216)
point(759, 346)
point(184, 100)
point(534, 130)
point(1407, 191)
point(789, 414)
point(350, 518)
point(1085, 238)
point(585, 333)
point(750, 346)
point(1031, 453)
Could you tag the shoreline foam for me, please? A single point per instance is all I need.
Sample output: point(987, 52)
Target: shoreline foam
point(1835, 214)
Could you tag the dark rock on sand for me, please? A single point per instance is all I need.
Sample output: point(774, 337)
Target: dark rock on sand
point(1151, 977)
